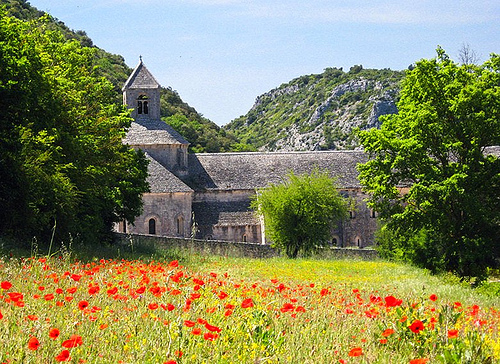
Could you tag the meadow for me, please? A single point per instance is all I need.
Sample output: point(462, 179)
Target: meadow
point(179, 308)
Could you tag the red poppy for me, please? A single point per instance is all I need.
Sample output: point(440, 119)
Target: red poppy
point(416, 326)
point(391, 301)
point(175, 292)
point(112, 290)
point(140, 290)
point(6, 285)
point(173, 264)
point(209, 336)
point(383, 341)
point(33, 343)
point(212, 328)
point(1, 316)
point(189, 323)
point(222, 295)
point(196, 331)
point(73, 342)
point(15, 296)
point(48, 297)
point(71, 290)
point(63, 356)
point(32, 317)
point(170, 362)
point(94, 290)
point(452, 334)
point(287, 307)
point(76, 277)
point(82, 305)
point(388, 332)
point(247, 303)
point(419, 361)
point(324, 292)
point(54, 333)
point(433, 297)
point(228, 313)
point(356, 352)
point(153, 306)
point(170, 307)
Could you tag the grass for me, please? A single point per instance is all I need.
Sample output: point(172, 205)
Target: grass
point(115, 306)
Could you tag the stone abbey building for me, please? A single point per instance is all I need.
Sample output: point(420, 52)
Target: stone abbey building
point(208, 194)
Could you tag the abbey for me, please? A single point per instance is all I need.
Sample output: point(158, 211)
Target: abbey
point(208, 195)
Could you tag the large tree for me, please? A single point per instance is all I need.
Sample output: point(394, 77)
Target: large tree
point(300, 213)
point(430, 175)
point(63, 168)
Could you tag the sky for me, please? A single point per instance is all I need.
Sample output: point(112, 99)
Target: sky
point(219, 55)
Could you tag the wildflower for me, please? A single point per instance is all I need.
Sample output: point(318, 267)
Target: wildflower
point(196, 331)
point(416, 326)
point(170, 362)
point(153, 306)
point(54, 333)
point(452, 334)
point(324, 292)
point(48, 297)
point(189, 323)
point(93, 290)
point(391, 301)
point(32, 317)
point(76, 277)
point(103, 326)
point(33, 343)
point(247, 303)
point(356, 352)
point(383, 341)
point(209, 336)
point(6, 285)
point(173, 264)
point(222, 295)
point(419, 361)
point(71, 290)
point(74, 341)
point(140, 290)
point(433, 297)
point(388, 332)
point(63, 356)
point(212, 328)
point(1, 316)
point(82, 305)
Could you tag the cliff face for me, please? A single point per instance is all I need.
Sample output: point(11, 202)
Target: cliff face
point(318, 112)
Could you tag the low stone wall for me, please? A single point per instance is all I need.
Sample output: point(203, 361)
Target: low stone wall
point(225, 248)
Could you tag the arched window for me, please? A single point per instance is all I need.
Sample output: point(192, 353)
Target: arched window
point(373, 214)
point(142, 105)
point(152, 226)
point(180, 225)
point(334, 242)
point(352, 214)
point(124, 226)
point(180, 158)
point(244, 238)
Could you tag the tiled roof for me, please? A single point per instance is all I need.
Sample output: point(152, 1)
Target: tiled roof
point(163, 181)
point(146, 131)
point(493, 151)
point(248, 171)
point(235, 213)
point(141, 78)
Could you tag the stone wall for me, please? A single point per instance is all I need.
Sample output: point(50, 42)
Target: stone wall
point(232, 249)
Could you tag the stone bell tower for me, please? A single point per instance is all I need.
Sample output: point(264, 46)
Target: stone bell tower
point(142, 93)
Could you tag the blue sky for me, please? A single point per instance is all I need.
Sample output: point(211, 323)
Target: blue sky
point(221, 54)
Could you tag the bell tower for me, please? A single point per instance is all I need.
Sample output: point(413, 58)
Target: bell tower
point(142, 93)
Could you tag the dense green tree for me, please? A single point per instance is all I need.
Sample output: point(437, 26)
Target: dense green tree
point(300, 213)
point(430, 176)
point(63, 167)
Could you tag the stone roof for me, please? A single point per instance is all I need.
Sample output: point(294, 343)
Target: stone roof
point(161, 180)
point(146, 131)
point(141, 78)
point(234, 213)
point(248, 171)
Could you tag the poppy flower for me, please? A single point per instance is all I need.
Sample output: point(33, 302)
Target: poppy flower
point(222, 295)
point(33, 343)
point(94, 290)
point(170, 362)
point(63, 356)
point(73, 342)
point(356, 352)
point(287, 307)
point(209, 336)
point(54, 333)
point(212, 328)
point(82, 305)
point(153, 306)
point(247, 303)
point(6, 285)
point(48, 297)
point(387, 332)
point(433, 297)
point(196, 331)
point(419, 361)
point(71, 290)
point(76, 277)
point(383, 341)
point(189, 323)
point(1, 316)
point(173, 264)
point(452, 334)
point(416, 326)
point(391, 301)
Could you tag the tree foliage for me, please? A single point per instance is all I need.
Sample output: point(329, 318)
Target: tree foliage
point(430, 176)
point(63, 167)
point(300, 213)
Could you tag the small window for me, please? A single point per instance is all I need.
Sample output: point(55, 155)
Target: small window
point(352, 214)
point(373, 214)
point(145, 107)
point(180, 158)
point(152, 226)
point(142, 105)
point(244, 238)
point(180, 226)
point(334, 241)
point(124, 226)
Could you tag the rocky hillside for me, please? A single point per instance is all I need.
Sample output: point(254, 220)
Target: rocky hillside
point(319, 111)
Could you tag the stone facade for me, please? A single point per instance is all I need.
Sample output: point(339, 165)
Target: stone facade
point(208, 195)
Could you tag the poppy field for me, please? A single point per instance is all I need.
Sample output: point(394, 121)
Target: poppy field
point(230, 310)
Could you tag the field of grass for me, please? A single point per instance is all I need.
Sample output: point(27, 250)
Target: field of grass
point(174, 308)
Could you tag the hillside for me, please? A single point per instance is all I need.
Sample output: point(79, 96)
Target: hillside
point(319, 111)
point(203, 134)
